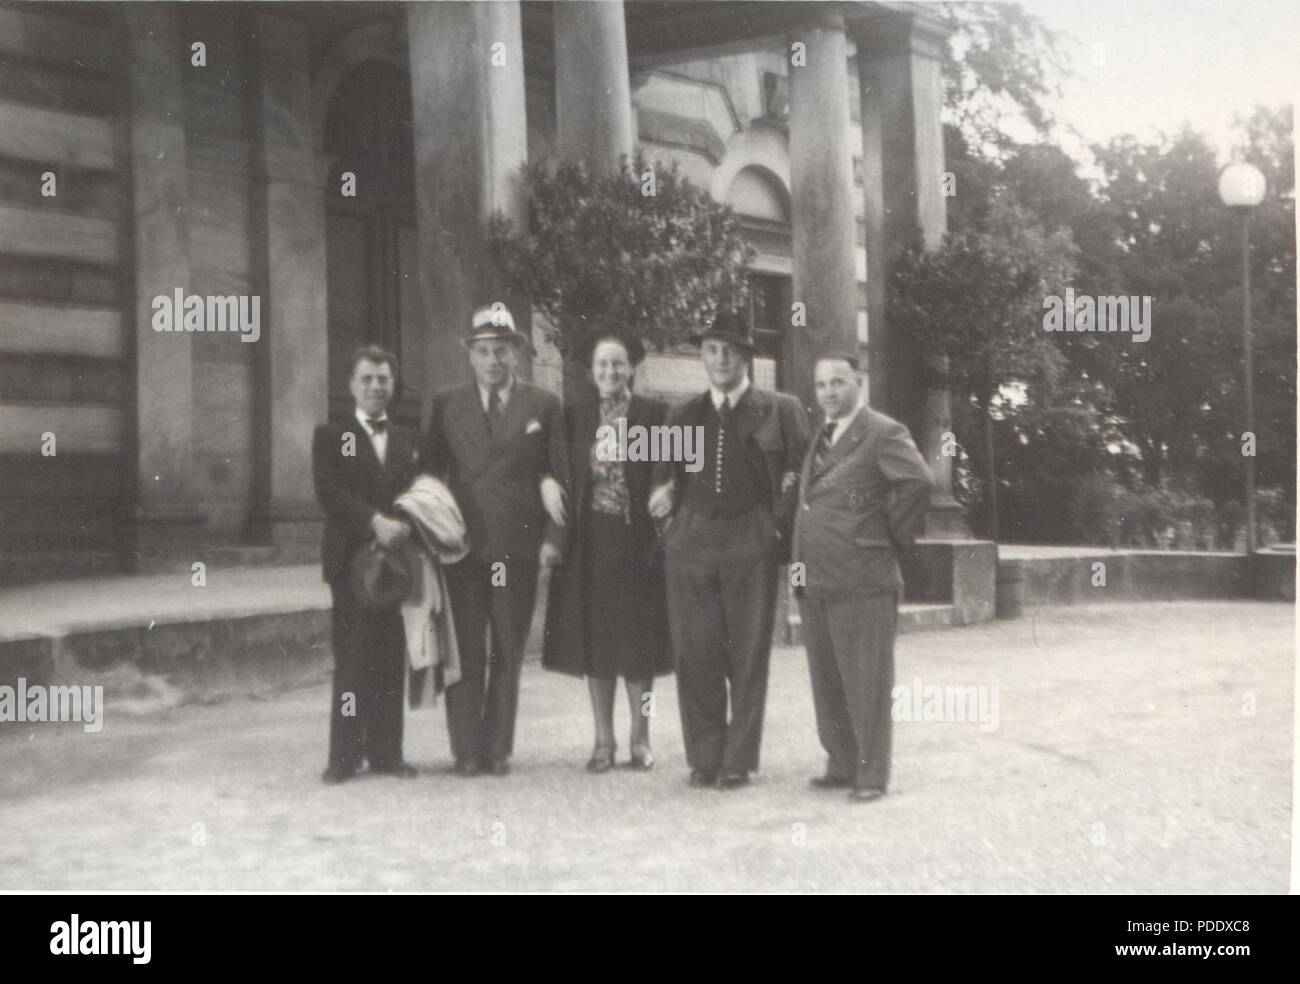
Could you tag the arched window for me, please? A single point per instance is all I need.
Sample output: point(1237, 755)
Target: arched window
point(755, 193)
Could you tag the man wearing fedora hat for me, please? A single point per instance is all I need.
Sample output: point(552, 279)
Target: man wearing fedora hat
point(500, 443)
point(727, 534)
point(359, 467)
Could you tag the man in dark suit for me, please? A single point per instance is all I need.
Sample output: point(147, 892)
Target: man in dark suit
point(360, 466)
point(722, 549)
point(500, 442)
point(863, 495)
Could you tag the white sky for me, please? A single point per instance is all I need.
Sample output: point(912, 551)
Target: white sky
point(1164, 62)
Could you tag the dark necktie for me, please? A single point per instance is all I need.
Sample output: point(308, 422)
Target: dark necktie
point(823, 446)
point(494, 412)
point(377, 427)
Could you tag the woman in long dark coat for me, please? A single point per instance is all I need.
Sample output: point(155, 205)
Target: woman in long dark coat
point(606, 616)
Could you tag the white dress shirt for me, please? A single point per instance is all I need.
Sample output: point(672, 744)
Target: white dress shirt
point(731, 398)
point(378, 441)
point(485, 394)
point(842, 424)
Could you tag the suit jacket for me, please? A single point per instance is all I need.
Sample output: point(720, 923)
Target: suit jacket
point(497, 480)
point(352, 488)
point(772, 428)
point(567, 611)
point(866, 502)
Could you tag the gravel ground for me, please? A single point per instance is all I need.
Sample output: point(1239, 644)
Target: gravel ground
point(1124, 760)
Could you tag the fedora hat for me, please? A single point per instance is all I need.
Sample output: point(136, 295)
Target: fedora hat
point(494, 322)
point(729, 326)
point(380, 578)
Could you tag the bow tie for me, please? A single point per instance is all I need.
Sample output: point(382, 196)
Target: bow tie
point(378, 426)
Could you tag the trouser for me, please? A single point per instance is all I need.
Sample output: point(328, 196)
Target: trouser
point(850, 644)
point(481, 708)
point(721, 581)
point(369, 680)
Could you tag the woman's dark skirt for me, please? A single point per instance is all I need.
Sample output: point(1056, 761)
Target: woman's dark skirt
point(616, 597)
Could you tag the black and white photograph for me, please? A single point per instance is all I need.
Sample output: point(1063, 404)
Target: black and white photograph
point(659, 447)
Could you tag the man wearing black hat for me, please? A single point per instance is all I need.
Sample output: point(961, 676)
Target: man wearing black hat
point(500, 442)
point(727, 534)
point(359, 468)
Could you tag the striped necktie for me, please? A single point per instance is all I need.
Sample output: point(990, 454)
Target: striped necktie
point(823, 446)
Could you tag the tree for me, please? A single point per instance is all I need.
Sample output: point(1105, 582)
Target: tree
point(1000, 71)
point(1178, 396)
point(976, 303)
point(642, 254)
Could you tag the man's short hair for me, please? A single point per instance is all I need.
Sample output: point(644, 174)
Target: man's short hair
point(841, 356)
point(376, 354)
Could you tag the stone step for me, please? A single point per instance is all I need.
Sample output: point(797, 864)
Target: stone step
point(156, 641)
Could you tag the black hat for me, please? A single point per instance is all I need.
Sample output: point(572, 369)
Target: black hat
point(380, 578)
point(729, 326)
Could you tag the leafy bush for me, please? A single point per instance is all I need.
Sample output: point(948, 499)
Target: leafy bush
point(1110, 514)
point(642, 254)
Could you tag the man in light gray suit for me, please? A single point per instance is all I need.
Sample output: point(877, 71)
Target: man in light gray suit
point(863, 495)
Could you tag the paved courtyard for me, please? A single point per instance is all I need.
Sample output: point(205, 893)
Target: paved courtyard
point(1123, 760)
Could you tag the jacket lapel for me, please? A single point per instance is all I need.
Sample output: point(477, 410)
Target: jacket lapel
point(806, 475)
point(470, 417)
point(586, 422)
point(749, 414)
point(365, 447)
point(849, 440)
point(398, 450)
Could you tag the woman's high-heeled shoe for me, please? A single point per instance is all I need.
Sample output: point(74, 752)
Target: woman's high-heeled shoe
point(602, 760)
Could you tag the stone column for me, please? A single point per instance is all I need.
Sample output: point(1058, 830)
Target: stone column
point(167, 514)
point(899, 60)
point(593, 103)
point(821, 180)
point(593, 93)
point(292, 380)
point(471, 140)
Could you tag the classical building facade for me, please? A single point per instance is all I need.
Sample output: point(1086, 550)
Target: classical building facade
point(207, 151)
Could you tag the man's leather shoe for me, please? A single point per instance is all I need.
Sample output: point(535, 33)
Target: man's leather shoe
point(703, 778)
point(830, 782)
point(402, 770)
point(733, 780)
point(467, 768)
point(864, 794)
point(501, 767)
point(335, 775)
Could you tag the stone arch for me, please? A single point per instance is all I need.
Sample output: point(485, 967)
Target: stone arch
point(763, 189)
point(764, 148)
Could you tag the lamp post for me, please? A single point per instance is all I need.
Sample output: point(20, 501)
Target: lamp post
point(1241, 187)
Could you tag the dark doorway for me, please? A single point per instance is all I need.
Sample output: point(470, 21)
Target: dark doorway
point(373, 285)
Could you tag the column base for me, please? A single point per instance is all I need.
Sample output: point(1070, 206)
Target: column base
point(946, 520)
point(166, 538)
point(292, 530)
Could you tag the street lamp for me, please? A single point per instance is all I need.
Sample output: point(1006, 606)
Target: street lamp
point(1241, 186)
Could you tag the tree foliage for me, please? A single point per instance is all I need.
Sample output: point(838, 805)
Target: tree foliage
point(1160, 421)
point(642, 254)
point(1000, 69)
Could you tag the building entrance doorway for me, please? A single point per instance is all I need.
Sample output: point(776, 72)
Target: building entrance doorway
point(372, 279)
